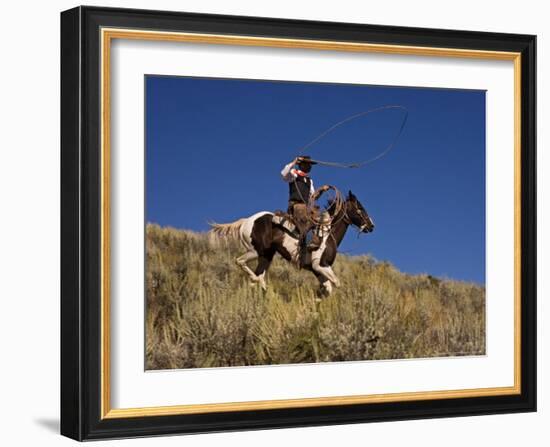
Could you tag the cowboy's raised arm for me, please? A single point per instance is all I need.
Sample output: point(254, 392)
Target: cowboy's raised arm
point(287, 172)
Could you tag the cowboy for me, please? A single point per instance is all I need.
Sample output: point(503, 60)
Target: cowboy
point(301, 193)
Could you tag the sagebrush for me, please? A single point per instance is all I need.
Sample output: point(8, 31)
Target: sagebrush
point(202, 312)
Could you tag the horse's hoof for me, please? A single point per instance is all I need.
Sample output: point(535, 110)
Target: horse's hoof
point(326, 288)
point(263, 285)
point(256, 282)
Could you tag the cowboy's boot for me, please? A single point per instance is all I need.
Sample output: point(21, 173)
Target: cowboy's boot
point(302, 244)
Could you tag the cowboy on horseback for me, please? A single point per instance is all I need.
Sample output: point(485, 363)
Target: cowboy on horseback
point(301, 194)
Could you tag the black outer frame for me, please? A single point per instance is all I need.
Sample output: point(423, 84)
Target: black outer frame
point(80, 223)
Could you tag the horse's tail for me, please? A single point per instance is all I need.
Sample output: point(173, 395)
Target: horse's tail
point(227, 229)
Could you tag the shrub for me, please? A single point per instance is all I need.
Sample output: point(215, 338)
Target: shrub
point(202, 312)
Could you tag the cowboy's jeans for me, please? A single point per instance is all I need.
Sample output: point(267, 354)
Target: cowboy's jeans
point(304, 219)
point(300, 214)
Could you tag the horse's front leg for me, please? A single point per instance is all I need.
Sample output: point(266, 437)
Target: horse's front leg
point(325, 286)
point(335, 280)
point(325, 271)
point(321, 260)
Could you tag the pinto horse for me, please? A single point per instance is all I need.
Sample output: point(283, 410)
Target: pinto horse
point(264, 234)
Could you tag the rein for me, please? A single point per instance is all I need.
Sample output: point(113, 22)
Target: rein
point(339, 214)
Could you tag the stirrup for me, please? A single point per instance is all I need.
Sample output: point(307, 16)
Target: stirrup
point(313, 244)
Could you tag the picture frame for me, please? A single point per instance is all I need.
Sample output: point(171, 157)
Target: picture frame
point(87, 34)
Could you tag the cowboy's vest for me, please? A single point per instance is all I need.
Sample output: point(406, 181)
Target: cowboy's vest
point(299, 189)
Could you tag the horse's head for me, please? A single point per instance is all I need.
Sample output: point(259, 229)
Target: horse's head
point(358, 215)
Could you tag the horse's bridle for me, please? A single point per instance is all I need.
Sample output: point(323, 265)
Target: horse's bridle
point(348, 220)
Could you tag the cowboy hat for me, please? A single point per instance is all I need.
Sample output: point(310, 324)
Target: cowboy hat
point(305, 159)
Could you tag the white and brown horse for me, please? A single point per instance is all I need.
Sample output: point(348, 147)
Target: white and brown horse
point(264, 234)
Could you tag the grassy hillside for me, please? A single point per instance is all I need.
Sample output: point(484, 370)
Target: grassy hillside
point(201, 311)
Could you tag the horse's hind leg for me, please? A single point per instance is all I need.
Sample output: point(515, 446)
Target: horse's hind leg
point(264, 261)
point(243, 259)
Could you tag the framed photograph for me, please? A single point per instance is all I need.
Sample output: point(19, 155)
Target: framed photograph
point(276, 223)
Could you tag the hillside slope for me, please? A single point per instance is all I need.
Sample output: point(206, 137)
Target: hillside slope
point(201, 311)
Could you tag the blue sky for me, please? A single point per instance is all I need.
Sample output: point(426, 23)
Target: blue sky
point(215, 148)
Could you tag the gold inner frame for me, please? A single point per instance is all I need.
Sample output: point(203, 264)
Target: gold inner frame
point(107, 35)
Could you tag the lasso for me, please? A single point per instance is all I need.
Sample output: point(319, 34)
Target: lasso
point(359, 164)
point(338, 200)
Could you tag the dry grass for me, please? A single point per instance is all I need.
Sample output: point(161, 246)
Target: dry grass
point(201, 311)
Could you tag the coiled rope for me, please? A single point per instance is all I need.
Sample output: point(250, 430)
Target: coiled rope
point(338, 204)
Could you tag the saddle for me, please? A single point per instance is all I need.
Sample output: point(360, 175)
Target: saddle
point(286, 223)
point(305, 253)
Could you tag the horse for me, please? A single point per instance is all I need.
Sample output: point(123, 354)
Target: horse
point(265, 233)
